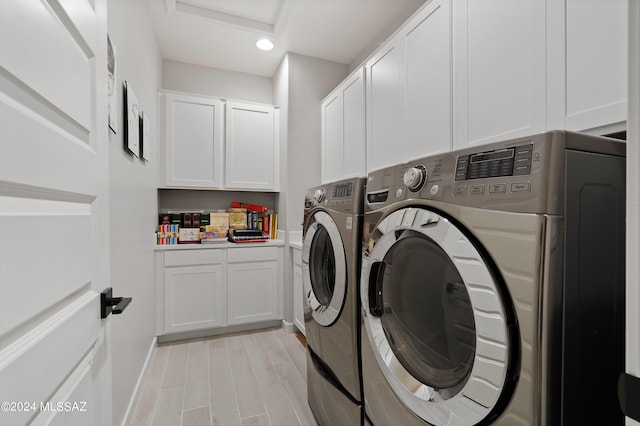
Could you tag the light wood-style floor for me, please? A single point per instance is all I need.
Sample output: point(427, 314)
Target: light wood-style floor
point(254, 378)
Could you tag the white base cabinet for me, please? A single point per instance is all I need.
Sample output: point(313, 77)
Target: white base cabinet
point(252, 284)
point(194, 290)
point(298, 293)
point(209, 288)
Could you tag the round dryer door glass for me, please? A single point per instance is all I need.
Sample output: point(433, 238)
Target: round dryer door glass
point(435, 317)
point(427, 311)
point(324, 269)
point(322, 266)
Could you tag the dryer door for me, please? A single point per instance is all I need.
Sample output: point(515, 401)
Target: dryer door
point(324, 269)
point(434, 317)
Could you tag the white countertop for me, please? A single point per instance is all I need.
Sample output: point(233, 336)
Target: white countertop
point(220, 245)
point(295, 239)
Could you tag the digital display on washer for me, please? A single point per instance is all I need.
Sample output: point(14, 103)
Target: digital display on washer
point(514, 161)
point(343, 190)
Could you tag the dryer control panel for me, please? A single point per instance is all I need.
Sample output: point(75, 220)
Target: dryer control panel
point(513, 161)
point(523, 175)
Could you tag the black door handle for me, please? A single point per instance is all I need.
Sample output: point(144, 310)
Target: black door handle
point(112, 305)
point(629, 395)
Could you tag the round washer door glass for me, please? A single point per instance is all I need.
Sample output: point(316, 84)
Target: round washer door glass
point(324, 269)
point(426, 308)
point(434, 317)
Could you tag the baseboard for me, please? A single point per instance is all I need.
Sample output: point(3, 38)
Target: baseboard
point(210, 332)
point(128, 416)
point(288, 327)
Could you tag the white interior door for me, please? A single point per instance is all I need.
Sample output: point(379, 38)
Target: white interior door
point(55, 364)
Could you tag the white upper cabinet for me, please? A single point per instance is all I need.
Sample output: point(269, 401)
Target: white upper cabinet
point(409, 90)
point(385, 96)
point(192, 142)
point(427, 39)
point(343, 130)
point(587, 53)
point(500, 76)
point(210, 143)
point(252, 147)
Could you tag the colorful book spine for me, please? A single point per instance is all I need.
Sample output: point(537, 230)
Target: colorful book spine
point(168, 234)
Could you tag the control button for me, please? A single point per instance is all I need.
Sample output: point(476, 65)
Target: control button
point(415, 177)
point(521, 187)
point(319, 195)
point(496, 188)
point(399, 193)
point(459, 190)
point(476, 189)
point(522, 170)
point(434, 189)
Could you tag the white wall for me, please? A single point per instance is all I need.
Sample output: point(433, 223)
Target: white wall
point(133, 215)
point(300, 83)
point(385, 33)
point(216, 82)
point(310, 81)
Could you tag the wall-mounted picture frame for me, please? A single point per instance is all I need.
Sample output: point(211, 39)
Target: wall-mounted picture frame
point(111, 86)
point(145, 141)
point(132, 119)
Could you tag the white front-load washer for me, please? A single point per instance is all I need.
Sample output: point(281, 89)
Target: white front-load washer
point(331, 244)
point(492, 285)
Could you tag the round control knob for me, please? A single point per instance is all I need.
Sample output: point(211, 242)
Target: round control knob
point(415, 178)
point(319, 195)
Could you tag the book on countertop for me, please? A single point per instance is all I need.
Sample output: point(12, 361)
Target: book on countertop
point(167, 234)
point(165, 219)
point(213, 237)
point(252, 207)
point(189, 236)
point(238, 235)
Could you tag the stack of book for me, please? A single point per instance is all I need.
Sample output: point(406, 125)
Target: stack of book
point(247, 236)
point(167, 234)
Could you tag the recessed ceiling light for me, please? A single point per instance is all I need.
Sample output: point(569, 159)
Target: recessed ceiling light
point(264, 44)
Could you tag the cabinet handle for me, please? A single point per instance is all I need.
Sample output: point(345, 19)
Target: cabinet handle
point(112, 305)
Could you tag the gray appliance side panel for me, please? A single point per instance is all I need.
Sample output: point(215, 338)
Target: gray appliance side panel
point(594, 307)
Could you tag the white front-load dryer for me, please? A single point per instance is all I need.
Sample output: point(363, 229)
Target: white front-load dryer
point(331, 245)
point(492, 285)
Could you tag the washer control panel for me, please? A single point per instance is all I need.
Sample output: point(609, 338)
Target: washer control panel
point(345, 196)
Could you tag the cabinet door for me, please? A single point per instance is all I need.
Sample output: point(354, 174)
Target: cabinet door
point(587, 54)
point(192, 141)
point(252, 147)
point(427, 39)
point(500, 84)
point(252, 292)
point(194, 298)
point(332, 143)
point(353, 126)
point(386, 106)
point(298, 299)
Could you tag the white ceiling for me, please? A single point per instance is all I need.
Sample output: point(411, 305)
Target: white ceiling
point(222, 33)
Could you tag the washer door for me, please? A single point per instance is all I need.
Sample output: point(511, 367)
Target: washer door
point(434, 318)
point(324, 269)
